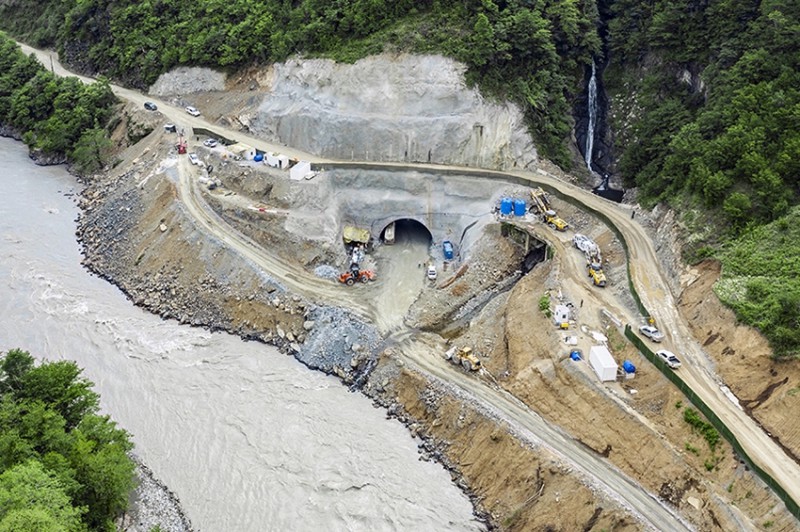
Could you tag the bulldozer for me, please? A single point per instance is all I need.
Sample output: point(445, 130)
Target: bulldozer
point(542, 204)
point(356, 274)
point(464, 357)
point(595, 270)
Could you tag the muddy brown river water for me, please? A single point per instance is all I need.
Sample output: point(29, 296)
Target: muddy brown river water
point(249, 439)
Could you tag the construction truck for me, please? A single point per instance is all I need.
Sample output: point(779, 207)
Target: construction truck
point(463, 356)
point(356, 274)
point(541, 203)
point(594, 260)
point(595, 270)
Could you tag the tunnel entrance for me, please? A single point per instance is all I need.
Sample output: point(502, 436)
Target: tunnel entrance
point(406, 232)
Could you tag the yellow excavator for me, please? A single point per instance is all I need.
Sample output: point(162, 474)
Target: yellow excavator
point(464, 357)
point(542, 204)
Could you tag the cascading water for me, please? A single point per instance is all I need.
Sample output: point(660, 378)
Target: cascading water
point(592, 113)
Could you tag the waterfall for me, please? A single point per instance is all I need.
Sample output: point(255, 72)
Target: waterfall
point(591, 98)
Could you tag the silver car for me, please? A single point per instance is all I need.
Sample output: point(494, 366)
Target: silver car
point(192, 111)
point(651, 332)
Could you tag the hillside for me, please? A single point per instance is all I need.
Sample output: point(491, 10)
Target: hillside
point(701, 101)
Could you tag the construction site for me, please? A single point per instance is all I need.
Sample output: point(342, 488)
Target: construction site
point(486, 312)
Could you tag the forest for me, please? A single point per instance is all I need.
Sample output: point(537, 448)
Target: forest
point(55, 116)
point(705, 94)
point(63, 466)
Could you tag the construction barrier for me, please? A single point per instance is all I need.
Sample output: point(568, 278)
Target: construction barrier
point(712, 418)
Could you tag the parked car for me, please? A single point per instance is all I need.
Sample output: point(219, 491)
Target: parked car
point(210, 143)
point(669, 358)
point(150, 106)
point(651, 332)
point(194, 159)
point(170, 128)
point(432, 272)
point(447, 248)
point(192, 111)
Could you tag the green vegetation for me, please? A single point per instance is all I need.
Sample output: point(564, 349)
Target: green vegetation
point(544, 305)
point(534, 53)
point(62, 466)
point(760, 281)
point(54, 115)
point(704, 428)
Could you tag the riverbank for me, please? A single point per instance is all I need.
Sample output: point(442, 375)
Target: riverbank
point(153, 504)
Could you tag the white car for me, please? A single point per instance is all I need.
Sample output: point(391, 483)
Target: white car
point(669, 358)
point(192, 111)
point(651, 332)
point(210, 143)
point(431, 272)
point(194, 159)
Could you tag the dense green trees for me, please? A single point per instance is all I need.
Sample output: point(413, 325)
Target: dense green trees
point(53, 114)
point(532, 52)
point(62, 466)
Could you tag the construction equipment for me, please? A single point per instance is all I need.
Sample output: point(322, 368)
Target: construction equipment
point(595, 270)
point(463, 356)
point(181, 144)
point(541, 203)
point(355, 274)
point(594, 260)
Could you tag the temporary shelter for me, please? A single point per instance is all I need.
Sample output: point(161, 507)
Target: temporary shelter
point(300, 171)
point(603, 363)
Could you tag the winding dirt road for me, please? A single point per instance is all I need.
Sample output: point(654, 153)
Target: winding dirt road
point(646, 275)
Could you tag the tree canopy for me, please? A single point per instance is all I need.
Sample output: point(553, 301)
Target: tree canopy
point(52, 114)
point(63, 466)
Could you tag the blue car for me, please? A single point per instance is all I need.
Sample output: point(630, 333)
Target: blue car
point(447, 247)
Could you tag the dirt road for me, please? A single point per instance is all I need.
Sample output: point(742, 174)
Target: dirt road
point(646, 275)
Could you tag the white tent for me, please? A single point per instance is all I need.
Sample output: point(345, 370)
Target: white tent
point(603, 363)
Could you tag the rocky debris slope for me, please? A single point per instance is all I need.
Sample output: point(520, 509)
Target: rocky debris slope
point(153, 504)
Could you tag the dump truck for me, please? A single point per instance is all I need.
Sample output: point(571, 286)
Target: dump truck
point(463, 356)
point(541, 203)
point(355, 274)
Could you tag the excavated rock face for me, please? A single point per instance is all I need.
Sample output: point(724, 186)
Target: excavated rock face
point(187, 80)
point(387, 108)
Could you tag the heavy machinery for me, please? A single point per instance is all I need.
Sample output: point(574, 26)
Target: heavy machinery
point(541, 203)
point(181, 145)
point(594, 260)
point(355, 274)
point(464, 357)
point(595, 270)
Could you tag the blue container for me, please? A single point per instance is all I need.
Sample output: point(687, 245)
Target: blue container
point(519, 207)
point(258, 158)
point(505, 206)
point(575, 355)
point(628, 367)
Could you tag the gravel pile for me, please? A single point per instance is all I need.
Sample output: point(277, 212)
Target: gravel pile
point(340, 344)
point(326, 272)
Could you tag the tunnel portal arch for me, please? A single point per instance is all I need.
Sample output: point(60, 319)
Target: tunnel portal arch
point(400, 227)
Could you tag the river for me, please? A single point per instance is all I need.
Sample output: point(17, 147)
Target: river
point(249, 439)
